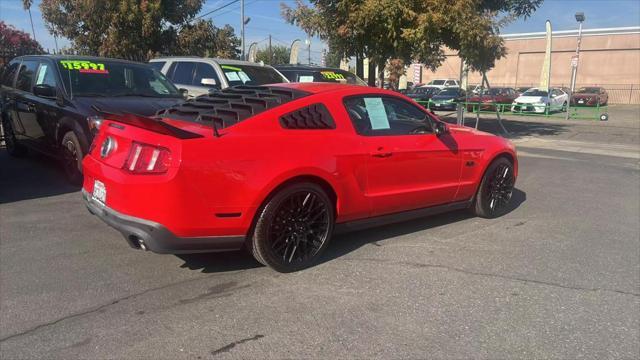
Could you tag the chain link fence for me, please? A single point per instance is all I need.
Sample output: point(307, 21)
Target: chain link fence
point(618, 93)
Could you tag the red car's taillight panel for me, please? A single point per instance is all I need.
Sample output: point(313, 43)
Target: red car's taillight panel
point(147, 159)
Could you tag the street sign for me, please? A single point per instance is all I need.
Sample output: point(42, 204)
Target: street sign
point(417, 73)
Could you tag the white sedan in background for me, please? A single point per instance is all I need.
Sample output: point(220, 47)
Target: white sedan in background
point(539, 100)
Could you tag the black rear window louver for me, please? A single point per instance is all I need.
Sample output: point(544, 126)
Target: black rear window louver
point(312, 117)
point(227, 107)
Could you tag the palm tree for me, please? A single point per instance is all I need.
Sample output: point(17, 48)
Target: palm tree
point(26, 4)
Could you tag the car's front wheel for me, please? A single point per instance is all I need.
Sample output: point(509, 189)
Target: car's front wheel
point(293, 228)
point(14, 148)
point(495, 190)
point(72, 156)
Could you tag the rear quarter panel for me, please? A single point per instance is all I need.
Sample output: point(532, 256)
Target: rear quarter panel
point(236, 172)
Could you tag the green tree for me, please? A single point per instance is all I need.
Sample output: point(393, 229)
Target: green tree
point(332, 58)
point(412, 30)
point(280, 55)
point(202, 38)
point(136, 28)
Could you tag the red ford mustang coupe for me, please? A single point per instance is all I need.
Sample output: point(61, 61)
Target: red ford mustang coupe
point(277, 169)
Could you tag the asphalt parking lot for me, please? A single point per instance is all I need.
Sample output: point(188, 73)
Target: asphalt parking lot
point(557, 277)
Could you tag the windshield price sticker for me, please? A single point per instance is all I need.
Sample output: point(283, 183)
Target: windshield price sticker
point(84, 66)
point(332, 75)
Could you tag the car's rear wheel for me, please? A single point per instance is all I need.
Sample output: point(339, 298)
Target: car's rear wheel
point(72, 157)
point(293, 228)
point(495, 190)
point(14, 148)
point(564, 106)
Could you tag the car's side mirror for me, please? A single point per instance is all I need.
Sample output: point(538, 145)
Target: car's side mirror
point(184, 92)
point(44, 90)
point(440, 128)
point(208, 82)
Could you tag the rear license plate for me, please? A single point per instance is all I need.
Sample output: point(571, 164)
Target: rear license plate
point(438, 104)
point(580, 101)
point(99, 192)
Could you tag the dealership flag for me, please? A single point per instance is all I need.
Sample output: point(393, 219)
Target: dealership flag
point(295, 46)
point(546, 65)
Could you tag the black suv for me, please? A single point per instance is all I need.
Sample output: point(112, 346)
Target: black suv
point(53, 103)
point(311, 73)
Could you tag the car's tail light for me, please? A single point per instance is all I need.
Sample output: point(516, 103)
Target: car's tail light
point(147, 159)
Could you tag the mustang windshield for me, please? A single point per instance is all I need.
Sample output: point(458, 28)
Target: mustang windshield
point(436, 82)
point(113, 78)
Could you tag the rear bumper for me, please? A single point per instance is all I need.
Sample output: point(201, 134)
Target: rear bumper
point(157, 238)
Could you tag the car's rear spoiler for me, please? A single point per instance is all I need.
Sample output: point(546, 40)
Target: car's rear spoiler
point(147, 123)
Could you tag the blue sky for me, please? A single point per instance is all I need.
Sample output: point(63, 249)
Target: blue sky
point(266, 19)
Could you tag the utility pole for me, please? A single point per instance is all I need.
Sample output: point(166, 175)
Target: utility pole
point(33, 30)
point(242, 28)
point(270, 52)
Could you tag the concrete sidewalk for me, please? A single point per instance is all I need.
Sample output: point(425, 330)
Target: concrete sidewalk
point(620, 136)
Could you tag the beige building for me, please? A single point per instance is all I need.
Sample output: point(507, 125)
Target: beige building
point(608, 57)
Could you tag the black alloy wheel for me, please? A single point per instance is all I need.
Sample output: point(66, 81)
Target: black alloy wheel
point(72, 158)
point(496, 189)
point(293, 228)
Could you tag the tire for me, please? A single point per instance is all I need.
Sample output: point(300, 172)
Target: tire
point(495, 190)
point(72, 157)
point(293, 228)
point(564, 107)
point(13, 146)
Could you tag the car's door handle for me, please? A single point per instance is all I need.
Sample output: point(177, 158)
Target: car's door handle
point(382, 154)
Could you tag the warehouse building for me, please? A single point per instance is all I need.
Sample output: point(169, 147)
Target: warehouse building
point(608, 57)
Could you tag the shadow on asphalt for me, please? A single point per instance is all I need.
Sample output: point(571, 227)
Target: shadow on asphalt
point(31, 177)
point(341, 245)
point(517, 129)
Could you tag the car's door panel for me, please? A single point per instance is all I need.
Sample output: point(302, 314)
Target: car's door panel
point(47, 109)
point(406, 169)
point(25, 104)
point(410, 172)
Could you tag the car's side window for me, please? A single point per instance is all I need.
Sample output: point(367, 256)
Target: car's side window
point(10, 73)
point(183, 72)
point(158, 65)
point(205, 71)
point(26, 75)
point(46, 75)
point(386, 116)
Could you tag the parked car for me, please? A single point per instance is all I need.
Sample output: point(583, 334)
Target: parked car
point(51, 103)
point(444, 83)
point(277, 169)
point(541, 101)
point(485, 102)
point(310, 73)
point(199, 76)
point(447, 99)
point(423, 93)
point(590, 96)
point(522, 89)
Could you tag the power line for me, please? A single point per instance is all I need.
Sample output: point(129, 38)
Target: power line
point(232, 10)
point(216, 9)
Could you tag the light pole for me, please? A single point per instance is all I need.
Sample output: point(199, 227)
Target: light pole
point(244, 21)
point(574, 62)
point(308, 42)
